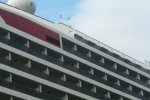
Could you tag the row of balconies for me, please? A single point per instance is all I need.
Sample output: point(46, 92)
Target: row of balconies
point(59, 75)
point(84, 53)
point(33, 88)
point(99, 60)
point(8, 97)
point(80, 66)
point(51, 75)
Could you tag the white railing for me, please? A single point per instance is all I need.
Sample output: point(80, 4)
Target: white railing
point(110, 49)
point(98, 43)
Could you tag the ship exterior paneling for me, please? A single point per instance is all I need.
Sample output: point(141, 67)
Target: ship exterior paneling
point(30, 27)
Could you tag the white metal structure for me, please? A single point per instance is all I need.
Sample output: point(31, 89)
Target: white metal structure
point(26, 5)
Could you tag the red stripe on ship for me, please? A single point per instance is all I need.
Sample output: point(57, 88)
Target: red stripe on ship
point(30, 27)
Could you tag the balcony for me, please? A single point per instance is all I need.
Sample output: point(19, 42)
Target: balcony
point(49, 78)
point(57, 62)
point(66, 84)
point(20, 88)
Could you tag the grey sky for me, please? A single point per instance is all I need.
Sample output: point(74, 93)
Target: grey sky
point(122, 24)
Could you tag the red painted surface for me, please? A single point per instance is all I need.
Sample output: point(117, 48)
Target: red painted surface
point(30, 27)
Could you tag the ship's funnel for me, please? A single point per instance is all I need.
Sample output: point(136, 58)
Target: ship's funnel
point(26, 5)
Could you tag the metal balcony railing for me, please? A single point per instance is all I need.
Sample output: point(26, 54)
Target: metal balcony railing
point(97, 44)
point(26, 90)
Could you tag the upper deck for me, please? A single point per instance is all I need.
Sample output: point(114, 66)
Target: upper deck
point(50, 32)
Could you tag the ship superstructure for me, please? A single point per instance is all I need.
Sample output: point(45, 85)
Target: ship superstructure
point(42, 60)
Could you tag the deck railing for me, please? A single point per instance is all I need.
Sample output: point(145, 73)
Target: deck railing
point(100, 44)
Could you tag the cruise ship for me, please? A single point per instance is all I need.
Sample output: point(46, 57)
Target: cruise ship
point(43, 60)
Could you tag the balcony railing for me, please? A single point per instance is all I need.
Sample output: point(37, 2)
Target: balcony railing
point(106, 67)
point(49, 78)
point(97, 44)
point(66, 84)
point(23, 89)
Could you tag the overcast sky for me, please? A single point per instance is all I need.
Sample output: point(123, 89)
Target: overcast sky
point(121, 24)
